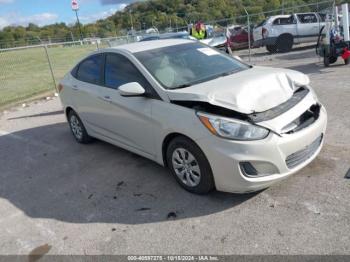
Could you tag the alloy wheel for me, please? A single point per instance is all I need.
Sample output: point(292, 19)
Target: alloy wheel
point(186, 167)
point(76, 127)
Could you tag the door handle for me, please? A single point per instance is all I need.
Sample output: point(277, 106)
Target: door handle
point(75, 87)
point(106, 98)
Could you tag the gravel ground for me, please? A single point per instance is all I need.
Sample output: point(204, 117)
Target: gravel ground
point(60, 197)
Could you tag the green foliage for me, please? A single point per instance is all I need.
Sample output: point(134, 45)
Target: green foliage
point(159, 13)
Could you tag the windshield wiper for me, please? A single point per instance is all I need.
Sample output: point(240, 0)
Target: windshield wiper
point(228, 73)
point(206, 79)
point(181, 86)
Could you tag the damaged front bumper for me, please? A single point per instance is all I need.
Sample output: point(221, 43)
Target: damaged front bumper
point(270, 160)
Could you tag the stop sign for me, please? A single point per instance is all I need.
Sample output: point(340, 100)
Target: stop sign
point(75, 5)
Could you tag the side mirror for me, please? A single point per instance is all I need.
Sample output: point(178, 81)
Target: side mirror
point(131, 89)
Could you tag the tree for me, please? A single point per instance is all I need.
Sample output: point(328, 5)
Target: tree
point(159, 13)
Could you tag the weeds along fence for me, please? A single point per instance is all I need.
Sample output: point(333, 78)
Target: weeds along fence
point(26, 72)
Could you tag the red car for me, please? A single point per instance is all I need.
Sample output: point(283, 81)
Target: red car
point(237, 37)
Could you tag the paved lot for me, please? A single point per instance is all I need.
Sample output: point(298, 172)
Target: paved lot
point(66, 198)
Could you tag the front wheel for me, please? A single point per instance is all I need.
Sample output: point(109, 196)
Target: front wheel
point(189, 166)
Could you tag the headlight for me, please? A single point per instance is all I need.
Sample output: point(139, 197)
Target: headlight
point(232, 129)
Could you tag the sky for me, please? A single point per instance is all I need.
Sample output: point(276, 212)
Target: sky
point(43, 12)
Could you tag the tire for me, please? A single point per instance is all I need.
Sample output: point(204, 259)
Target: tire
point(333, 59)
point(346, 61)
point(271, 48)
point(284, 43)
point(189, 166)
point(78, 129)
point(326, 61)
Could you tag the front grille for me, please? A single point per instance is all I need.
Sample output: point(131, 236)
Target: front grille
point(301, 156)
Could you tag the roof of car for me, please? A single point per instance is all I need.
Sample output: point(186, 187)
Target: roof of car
point(280, 16)
point(149, 45)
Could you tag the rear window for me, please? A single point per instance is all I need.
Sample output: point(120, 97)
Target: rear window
point(323, 17)
point(307, 18)
point(89, 70)
point(284, 21)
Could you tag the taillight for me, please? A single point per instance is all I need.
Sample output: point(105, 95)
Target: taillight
point(264, 32)
point(60, 88)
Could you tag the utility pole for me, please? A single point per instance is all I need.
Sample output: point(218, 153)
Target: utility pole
point(75, 8)
point(80, 32)
point(71, 34)
point(132, 24)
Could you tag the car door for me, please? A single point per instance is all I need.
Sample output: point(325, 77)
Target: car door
point(127, 120)
point(86, 83)
point(308, 27)
point(284, 25)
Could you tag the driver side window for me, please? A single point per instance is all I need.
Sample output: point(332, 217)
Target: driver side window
point(119, 70)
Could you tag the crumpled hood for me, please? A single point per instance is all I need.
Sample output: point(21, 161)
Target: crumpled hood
point(215, 41)
point(254, 90)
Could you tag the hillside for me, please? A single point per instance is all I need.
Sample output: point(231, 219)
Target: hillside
point(159, 13)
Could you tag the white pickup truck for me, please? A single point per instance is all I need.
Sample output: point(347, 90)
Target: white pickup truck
point(279, 33)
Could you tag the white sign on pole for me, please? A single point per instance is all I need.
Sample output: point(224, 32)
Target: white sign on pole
point(75, 5)
point(346, 21)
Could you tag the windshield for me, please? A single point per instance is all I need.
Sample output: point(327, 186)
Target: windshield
point(183, 65)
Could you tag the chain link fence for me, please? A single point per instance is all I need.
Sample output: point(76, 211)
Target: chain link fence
point(26, 72)
point(260, 37)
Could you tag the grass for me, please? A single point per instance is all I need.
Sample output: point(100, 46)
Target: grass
point(26, 73)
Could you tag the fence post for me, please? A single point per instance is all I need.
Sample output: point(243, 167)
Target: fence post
point(50, 66)
point(249, 40)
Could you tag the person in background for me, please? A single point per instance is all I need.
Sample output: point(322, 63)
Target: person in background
point(198, 31)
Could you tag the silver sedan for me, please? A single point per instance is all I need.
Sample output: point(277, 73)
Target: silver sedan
point(216, 122)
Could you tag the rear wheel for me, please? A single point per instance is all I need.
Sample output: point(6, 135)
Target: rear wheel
point(333, 59)
point(271, 48)
point(284, 43)
point(328, 60)
point(189, 166)
point(78, 129)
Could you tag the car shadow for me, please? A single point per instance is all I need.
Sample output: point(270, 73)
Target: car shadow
point(295, 54)
point(292, 54)
point(46, 174)
point(310, 68)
